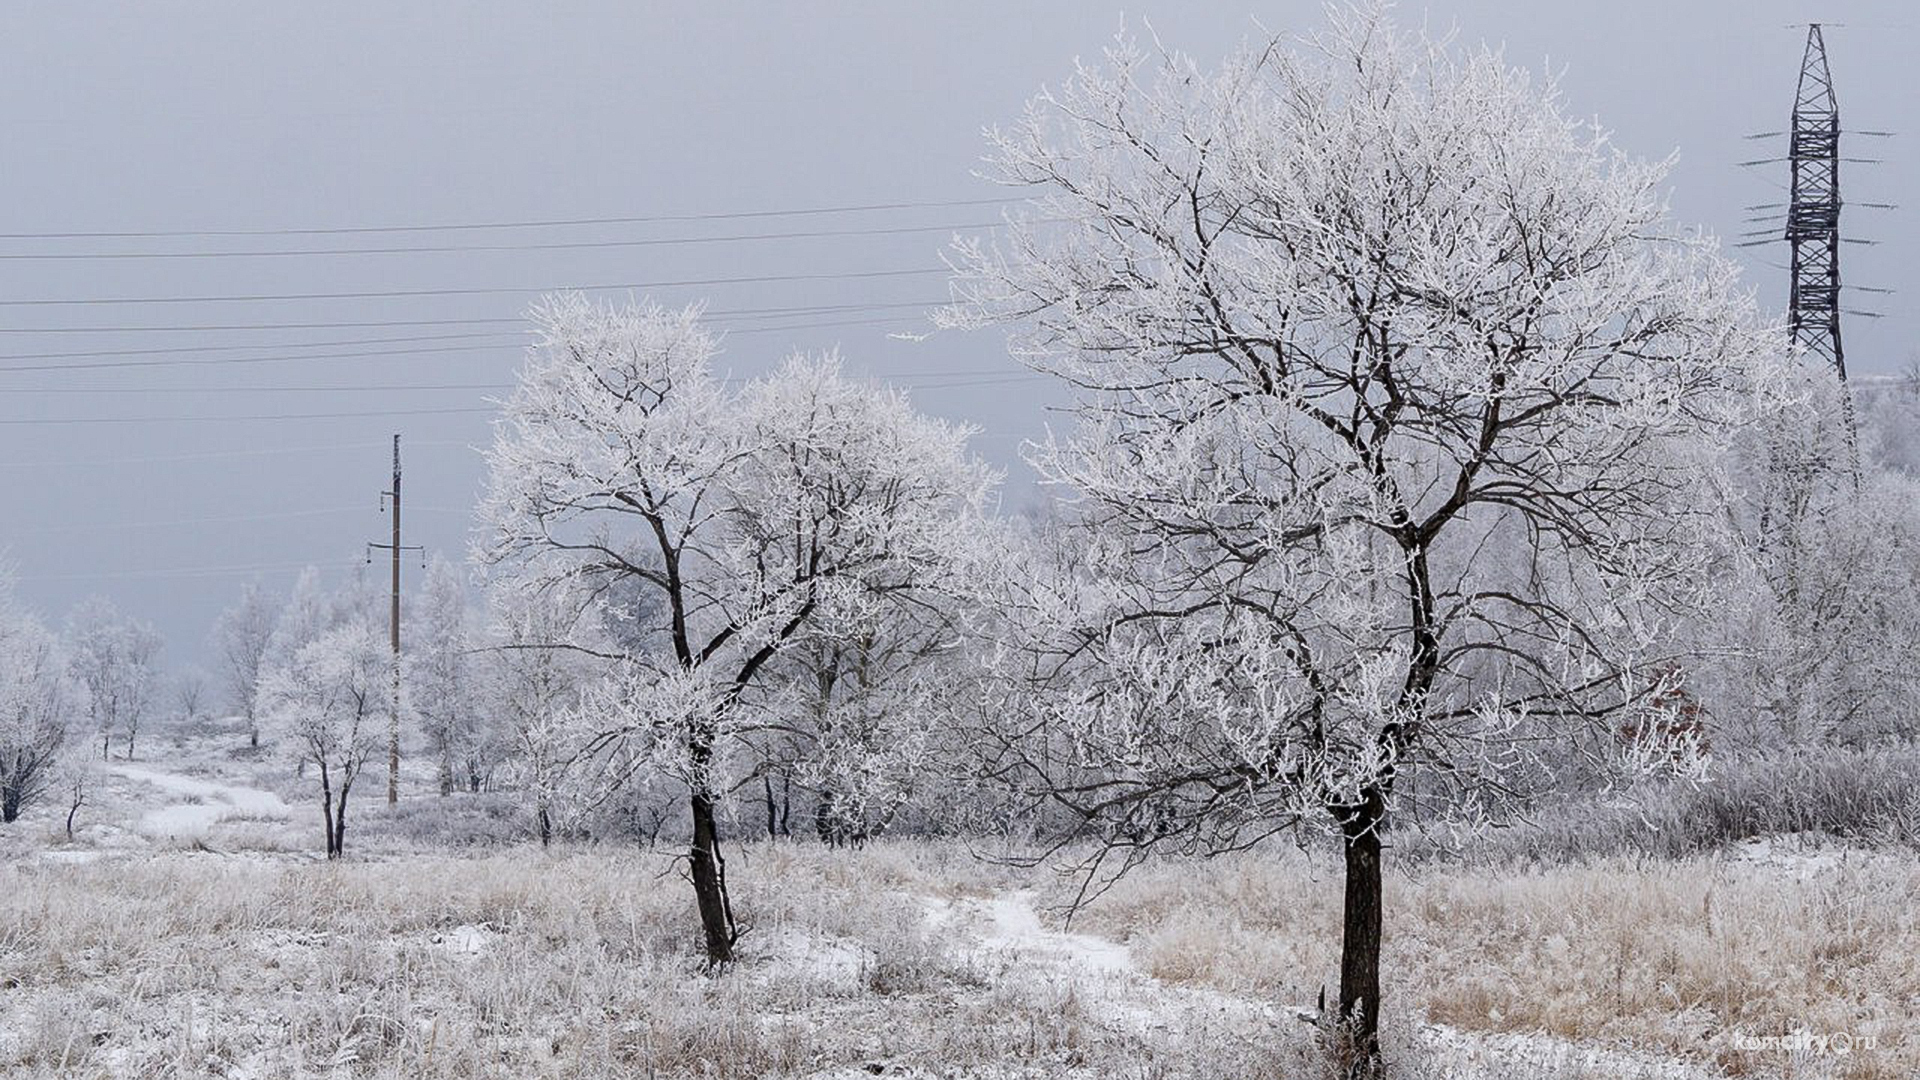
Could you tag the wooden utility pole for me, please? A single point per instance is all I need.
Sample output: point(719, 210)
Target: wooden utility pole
point(393, 634)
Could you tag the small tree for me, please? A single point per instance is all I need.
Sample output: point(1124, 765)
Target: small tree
point(327, 703)
point(855, 728)
point(714, 523)
point(439, 675)
point(190, 694)
point(1391, 381)
point(73, 781)
point(537, 665)
point(117, 657)
point(39, 703)
point(241, 638)
point(309, 612)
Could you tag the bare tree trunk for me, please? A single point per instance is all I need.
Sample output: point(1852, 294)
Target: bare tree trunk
point(326, 811)
point(1361, 823)
point(710, 881)
point(823, 825)
point(340, 821)
point(10, 804)
point(773, 814)
point(1360, 935)
point(786, 804)
point(545, 823)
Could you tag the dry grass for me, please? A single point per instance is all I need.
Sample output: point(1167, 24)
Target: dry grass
point(525, 964)
point(583, 964)
point(1681, 958)
point(1864, 794)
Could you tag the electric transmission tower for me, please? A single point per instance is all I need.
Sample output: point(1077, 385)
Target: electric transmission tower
point(1813, 214)
point(1809, 221)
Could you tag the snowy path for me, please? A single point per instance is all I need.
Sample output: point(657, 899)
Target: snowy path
point(1104, 973)
point(1014, 924)
point(212, 802)
point(1008, 925)
point(1132, 1000)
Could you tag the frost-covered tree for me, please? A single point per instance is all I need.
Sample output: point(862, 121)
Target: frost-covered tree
point(1392, 378)
point(1823, 569)
point(73, 780)
point(308, 612)
point(537, 661)
point(715, 522)
point(41, 707)
point(857, 719)
point(241, 638)
point(117, 657)
point(190, 693)
point(327, 703)
point(439, 675)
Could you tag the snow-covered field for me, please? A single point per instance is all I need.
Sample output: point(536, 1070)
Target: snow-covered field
point(202, 805)
point(189, 930)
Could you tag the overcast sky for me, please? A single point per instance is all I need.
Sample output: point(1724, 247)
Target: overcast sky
point(206, 117)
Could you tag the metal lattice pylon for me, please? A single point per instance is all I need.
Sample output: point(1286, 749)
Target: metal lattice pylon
point(1813, 215)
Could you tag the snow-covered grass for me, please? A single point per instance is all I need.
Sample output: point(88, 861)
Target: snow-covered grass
point(913, 959)
point(201, 803)
point(526, 964)
point(1688, 961)
point(220, 945)
point(1865, 793)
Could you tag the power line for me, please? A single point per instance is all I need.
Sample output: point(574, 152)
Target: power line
point(966, 378)
point(813, 309)
point(336, 389)
point(253, 346)
point(442, 249)
point(894, 321)
point(251, 417)
point(856, 275)
point(358, 354)
point(194, 571)
point(229, 360)
point(954, 381)
point(254, 451)
point(735, 215)
point(221, 519)
point(207, 327)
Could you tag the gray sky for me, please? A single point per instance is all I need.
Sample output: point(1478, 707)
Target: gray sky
point(248, 116)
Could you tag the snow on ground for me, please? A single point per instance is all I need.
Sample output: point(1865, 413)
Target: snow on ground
point(1012, 923)
point(467, 940)
point(1103, 973)
point(1002, 943)
point(1481, 1053)
point(1129, 999)
point(1805, 856)
point(204, 802)
point(69, 855)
